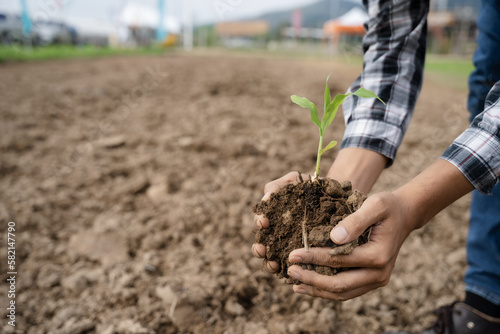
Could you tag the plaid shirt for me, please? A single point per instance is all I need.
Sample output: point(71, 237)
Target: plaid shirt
point(394, 57)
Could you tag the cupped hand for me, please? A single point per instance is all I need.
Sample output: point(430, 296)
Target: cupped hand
point(372, 263)
point(260, 221)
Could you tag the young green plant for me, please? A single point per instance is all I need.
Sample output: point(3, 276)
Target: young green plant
point(330, 111)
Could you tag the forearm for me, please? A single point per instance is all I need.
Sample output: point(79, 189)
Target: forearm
point(431, 191)
point(360, 166)
point(394, 45)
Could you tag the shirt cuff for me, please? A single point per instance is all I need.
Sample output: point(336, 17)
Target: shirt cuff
point(374, 135)
point(476, 153)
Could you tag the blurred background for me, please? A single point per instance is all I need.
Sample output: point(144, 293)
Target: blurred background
point(325, 27)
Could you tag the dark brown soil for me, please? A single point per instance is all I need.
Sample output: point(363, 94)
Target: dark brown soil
point(315, 207)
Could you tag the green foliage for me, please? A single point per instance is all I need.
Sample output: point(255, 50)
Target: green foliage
point(329, 112)
point(328, 147)
point(305, 103)
point(17, 52)
point(328, 97)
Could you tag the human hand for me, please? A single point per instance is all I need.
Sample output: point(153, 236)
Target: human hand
point(392, 217)
point(260, 221)
point(360, 166)
point(374, 261)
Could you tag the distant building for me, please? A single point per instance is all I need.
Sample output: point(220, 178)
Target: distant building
point(452, 26)
point(138, 25)
point(455, 5)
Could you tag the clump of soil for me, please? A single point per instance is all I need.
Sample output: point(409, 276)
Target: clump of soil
point(312, 208)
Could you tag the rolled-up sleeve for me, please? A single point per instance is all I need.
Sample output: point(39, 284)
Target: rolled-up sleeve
point(394, 56)
point(476, 152)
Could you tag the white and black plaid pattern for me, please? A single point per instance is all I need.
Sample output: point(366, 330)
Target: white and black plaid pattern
point(394, 57)
point(476, 152)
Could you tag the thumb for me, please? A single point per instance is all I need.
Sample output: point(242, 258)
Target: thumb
point(355, 224)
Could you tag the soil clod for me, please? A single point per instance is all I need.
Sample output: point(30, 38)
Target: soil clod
point(301, 215)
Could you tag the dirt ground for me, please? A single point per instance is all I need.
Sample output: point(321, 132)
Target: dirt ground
point(131, 182)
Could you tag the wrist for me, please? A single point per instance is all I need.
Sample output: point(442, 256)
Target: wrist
point(360, 166)
point(431, 191)
point(413, 208)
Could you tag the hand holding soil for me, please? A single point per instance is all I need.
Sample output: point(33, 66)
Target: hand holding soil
point(372, 263)
point(391, 217)
point(261, 221)
point(297, 213)
point(321, 271)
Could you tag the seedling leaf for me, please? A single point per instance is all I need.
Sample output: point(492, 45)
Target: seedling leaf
point(362, 92)
point(328, 97)
point(305, 103)
point(328, 147)
point(331, 111)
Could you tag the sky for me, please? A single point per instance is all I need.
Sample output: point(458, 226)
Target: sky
point(204, 11)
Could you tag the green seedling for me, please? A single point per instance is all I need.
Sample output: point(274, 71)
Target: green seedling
point(329, 113)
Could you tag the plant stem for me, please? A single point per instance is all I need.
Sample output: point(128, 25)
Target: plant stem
point(304, 232)
point(318, 159)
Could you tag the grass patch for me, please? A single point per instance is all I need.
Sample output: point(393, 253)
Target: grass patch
point(20, 53)
point(448, 70)
point(454, 66)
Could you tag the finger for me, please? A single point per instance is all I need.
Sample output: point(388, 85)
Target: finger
point(320, 256)
point(277, 184)
point(342, 282)
point(259, 250)
point(315, 292)
point(267, 195)
point(272, 266)
point(364, 256)
point(260, 221)
point(371, 212)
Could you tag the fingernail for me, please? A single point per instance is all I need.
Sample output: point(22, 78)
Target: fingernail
point(301, 291)
point(255, 250)
point(266, 196)
point(293, 274)
point(295, 258)
point(338, 234)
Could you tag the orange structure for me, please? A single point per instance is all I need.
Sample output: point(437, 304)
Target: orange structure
point(349, 24)
point(334, 28)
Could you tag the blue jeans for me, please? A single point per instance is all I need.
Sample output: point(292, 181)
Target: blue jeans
point(483, 241)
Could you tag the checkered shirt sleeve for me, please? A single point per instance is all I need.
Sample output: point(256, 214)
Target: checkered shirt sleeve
point(476, 152)
point(394, 56)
